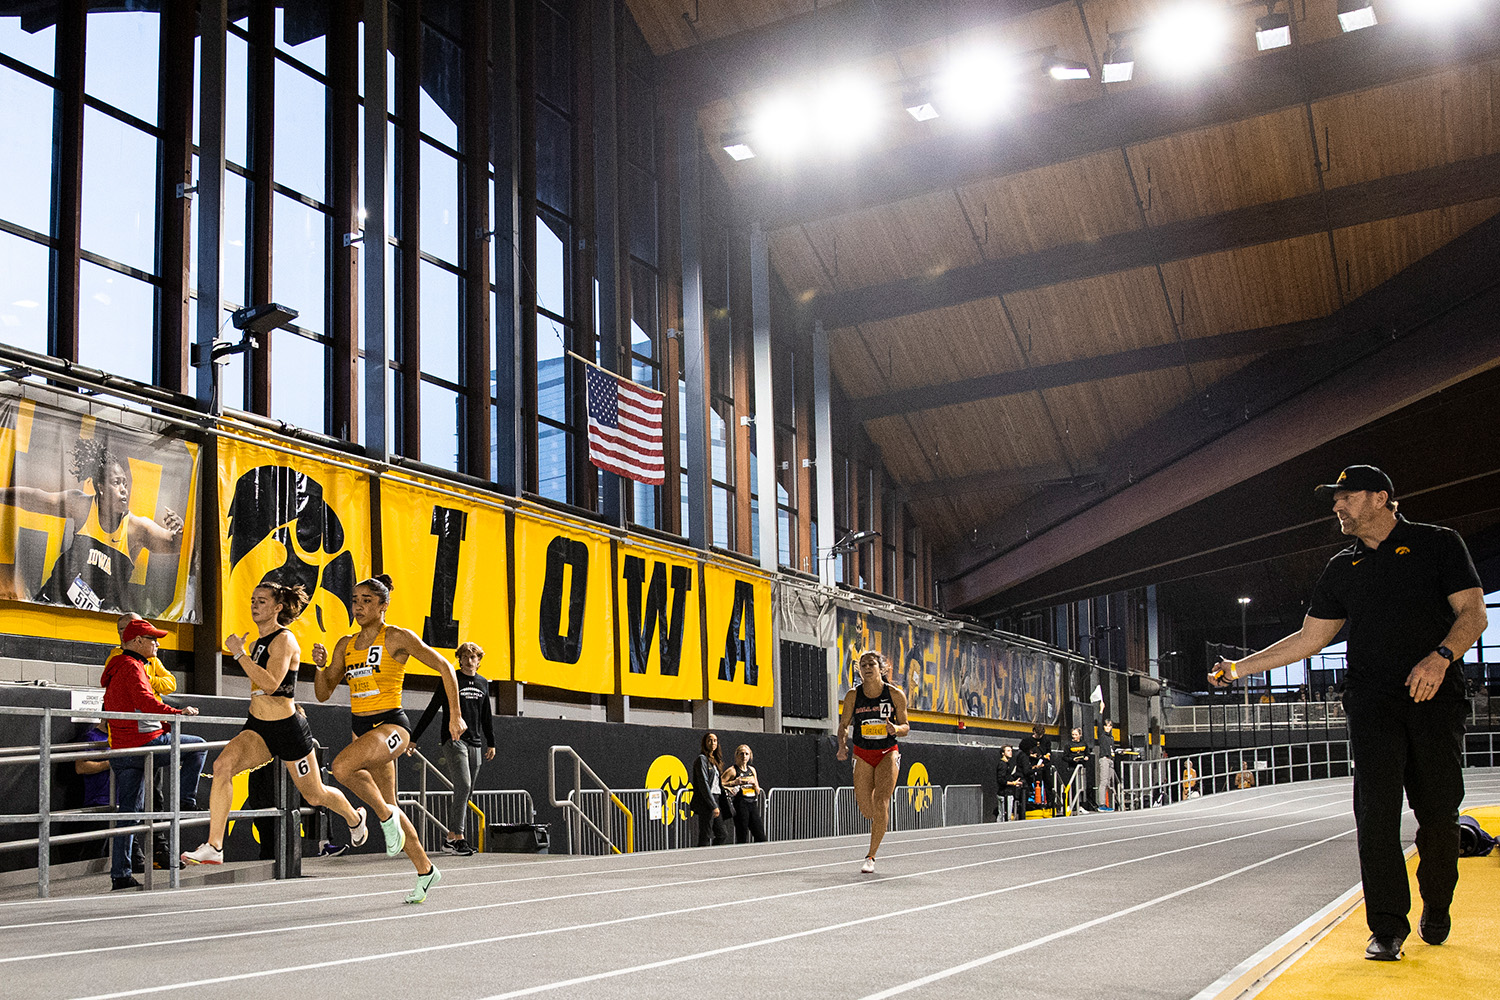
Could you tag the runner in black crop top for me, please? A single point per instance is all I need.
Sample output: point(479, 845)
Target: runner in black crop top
point(276, 728)
point(874, 716)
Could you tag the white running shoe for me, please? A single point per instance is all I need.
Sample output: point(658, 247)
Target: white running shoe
point(395, 837)
point(424, 883)
point(206, 854)
point(868, 868)
point(357, 834)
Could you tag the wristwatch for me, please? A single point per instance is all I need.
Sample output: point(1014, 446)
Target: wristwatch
point(1445, 653)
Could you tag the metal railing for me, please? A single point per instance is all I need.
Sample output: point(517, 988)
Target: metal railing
point(963, 805)
point(1144, 783)
point(579, 823)
point(45, 754)
point(913, 807)
point(1074, 791)
point(651, 830)
point(799, 813)
point(422, 801)
point(1233, 715)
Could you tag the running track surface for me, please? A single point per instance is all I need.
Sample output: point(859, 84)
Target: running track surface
point(1157, 903)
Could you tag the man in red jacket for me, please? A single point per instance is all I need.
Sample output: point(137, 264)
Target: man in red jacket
point(127, 688)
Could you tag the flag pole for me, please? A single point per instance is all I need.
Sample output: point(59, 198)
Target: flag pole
point(595, 364)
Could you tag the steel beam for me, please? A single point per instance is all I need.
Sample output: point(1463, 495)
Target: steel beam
point(379, 391)
point(823, 445)
point(608, 259)
point(1000, 479)
point(213, 27)
point(765, 413)
point(510, 298)
point(699, 529)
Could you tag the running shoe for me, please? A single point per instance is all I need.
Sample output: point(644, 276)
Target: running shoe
point(460, 847)
point(395, 837)
point(332, 850)
point(424, 883)
point(206, 854)
point(868, 868)
point(357, 834)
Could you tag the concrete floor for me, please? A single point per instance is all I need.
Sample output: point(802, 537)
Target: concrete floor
point(1151, 904)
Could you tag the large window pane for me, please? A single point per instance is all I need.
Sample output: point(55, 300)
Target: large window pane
point(439, 426)
point(550, 267)
point(232, 278)
point(552, 462)
point(236, 99)
point(232, 376)
point(718, 444)
point(439, 204)
point(298, 261)
point(441, 105)
point(298, 379)
point(23, 293)
point(640, 213)
point(721, 517)
point(554, 58)
point(120, 61)
point(645, 504)
point(551, 372)
point(119, 191)
point(300, 131)
point(554, 160)
point(116, 314)
point(26, 151)
point(38, 49)
point(642, 310)
point(440, 333)
point(300, 31)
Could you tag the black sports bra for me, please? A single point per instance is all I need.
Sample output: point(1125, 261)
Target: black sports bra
point(260, 653)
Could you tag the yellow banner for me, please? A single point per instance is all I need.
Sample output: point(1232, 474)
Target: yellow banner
point(447, 558)
point(291, 519)
point(661, 654)
point(739, 636)
point(564, 604)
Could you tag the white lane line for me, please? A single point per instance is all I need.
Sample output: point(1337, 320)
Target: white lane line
point(1193, 806)
point(1087, 924)
point(739, 860)
point(448, 946)
point(411, 915)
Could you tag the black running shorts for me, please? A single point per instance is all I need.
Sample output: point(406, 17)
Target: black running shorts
point(287, 739)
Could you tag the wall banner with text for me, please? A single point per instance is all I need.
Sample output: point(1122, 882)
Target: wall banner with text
point(739, 635)
point(447, 558)
point(661, 654)
point(291, 519)
point(954, 672)
point(97, 511)
point(564, 606)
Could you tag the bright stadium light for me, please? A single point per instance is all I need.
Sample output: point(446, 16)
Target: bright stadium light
point(1062, 69)
point(846, 111)
point(1356, 14)
point(1274, 31)
point(1187, 38)
point(976, 87)
point(783, 127)
point(920, 105)
point(1436, 11)
point(738, 147)
point(1119, 63)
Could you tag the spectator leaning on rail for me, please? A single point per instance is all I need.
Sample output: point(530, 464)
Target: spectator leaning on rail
point(1414, 605)
point(1078, 755)
point(162, 681)
point(460, 759)
point(127, 689)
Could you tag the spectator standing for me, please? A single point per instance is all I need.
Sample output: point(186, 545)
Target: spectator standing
point(1010, 785)
point(461, 759)
point(127, 689)
point(1105, 747)
point(1414, 605)
point(710, 804)
point(746, 797)
point(1078, 755)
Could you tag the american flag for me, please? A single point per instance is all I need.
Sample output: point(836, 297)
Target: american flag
point(625, 423)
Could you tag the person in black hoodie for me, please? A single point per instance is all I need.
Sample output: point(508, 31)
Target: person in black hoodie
point(1010, 785)
point(710, 804)
point(460, 759)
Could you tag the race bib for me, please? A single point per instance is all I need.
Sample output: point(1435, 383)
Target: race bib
point(874, 729)
point(362, 676)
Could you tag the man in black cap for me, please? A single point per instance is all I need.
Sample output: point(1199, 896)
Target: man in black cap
point(1414, 605)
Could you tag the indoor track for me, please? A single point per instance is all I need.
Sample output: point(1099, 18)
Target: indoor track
point(1157, 903)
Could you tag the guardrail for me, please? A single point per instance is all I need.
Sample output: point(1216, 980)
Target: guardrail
point(1232, 715)
point(799, 813)
point(963, 805)
point(45, 754)
point(421, 802)
point(578, 821)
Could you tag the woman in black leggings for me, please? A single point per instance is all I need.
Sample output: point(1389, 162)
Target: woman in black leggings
point(742, 783)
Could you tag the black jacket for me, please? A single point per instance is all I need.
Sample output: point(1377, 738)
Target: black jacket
point(705, 777)
point(1007, 771)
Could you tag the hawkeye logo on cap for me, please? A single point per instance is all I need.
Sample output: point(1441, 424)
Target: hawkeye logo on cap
point(1402, 550)
point(1343, 476)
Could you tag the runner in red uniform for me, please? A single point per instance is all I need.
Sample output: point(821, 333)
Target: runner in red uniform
point(876, 713)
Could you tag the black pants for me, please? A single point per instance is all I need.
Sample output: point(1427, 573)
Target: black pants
point(749, 820)
point(1397, 746)
point(712, 830)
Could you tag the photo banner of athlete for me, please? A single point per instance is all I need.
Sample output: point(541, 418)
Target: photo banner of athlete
point(953, 672)
point(97, 513)
point(291, 519)
point(564, 606)
point(739, 635)
point(448, 559)
point(659, 599)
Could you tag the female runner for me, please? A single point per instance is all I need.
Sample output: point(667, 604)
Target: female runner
point(276, 727)
point(374, 661)
point(877, 712)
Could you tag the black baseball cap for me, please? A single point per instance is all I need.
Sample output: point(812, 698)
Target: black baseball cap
point(1361, 477)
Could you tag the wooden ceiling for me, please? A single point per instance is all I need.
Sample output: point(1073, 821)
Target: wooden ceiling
point(1103, 255)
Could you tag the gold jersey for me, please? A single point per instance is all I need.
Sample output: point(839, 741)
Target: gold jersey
point(375, 679)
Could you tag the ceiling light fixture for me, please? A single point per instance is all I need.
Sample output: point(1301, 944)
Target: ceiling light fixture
point(1119, 63)
point(1187, 38)
point(782, 128)
point(846, 112)
point(1356, 14)
point(1062, 69)
point(919, 104)
point(1274, 31)
point(738, 147)
point(975, 87)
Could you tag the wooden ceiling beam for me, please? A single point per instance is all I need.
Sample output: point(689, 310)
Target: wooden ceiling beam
point(1271, 81)
point(1000, 479)
point(1305, 215)
point(813, 42)
point(1159, 357)
point(1435, 327)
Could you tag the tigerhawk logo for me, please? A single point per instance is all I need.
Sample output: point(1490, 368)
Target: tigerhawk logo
point(1402, 550)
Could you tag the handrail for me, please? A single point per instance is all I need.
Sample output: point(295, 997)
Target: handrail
point(573, 807)
point(1073, 791)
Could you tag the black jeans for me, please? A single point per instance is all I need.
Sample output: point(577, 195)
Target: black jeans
point(712, 830)
point(1400, 745)
point(749, 820)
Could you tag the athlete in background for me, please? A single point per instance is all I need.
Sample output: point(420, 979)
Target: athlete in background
point(876, 711)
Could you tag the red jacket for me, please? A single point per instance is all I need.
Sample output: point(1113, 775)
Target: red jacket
point(127, 689)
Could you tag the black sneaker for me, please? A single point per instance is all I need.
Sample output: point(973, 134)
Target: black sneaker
point(460, 847)
point(1434, 925)
point(128, 882)
point(1384, 949)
